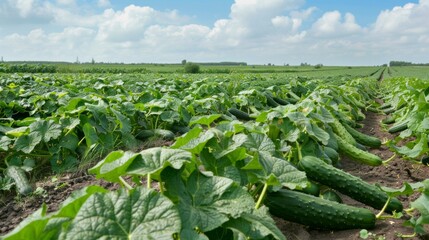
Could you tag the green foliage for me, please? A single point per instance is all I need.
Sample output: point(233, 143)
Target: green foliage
point(192, 68)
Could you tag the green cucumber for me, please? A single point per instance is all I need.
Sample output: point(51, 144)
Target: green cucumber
point(362, 138)
point(372, 109)
point(341, 131)
point(332, 154)
point(345, 183)
point(270, 101)
point(164, 134)
point(385, 105)
point(388, 120)
point(389, 110)
point(280, 101)
point(239, 114)
point(22, 185)
point(401, 126)
point(157, 133)
point(331, 195)
point(316, 212)
point(357, 154)
point(312, 189)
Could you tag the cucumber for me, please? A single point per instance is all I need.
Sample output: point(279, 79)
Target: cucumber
point(401, 126)
point(312, 189)
point(280, 101)
point(316, 212)
point(388, 120)
point(158, 133)
point(239, 114)
point(385, 105)
point(22, 185)
point(294, 96)
point(164, 134)
point(332, 154)
point(270, 101)
point(341, 131)
point(372, 109)
point(389, 110)
point(331, 195)
point(364, 139)
point(345, 183)
point(357, 154)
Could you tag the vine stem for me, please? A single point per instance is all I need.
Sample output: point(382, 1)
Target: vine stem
point(385, 162)
point(408, 236)
point(128, 186)
point(149, 181)
point(299, 151)
point(378, 216)
point(261, 197)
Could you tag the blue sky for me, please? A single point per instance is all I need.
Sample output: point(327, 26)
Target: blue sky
point(331, 32)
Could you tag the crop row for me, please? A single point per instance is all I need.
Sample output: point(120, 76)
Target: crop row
point(239, 143)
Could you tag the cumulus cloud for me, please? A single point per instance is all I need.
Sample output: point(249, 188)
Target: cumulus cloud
point(257, 31)
point(131, 23)
point(408, 19)
point(333, 24)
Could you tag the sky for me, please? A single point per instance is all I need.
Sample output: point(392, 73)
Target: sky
point(328, 32)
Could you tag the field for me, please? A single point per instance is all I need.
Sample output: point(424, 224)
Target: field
point(234, 152)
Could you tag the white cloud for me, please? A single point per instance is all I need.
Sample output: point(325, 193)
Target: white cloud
point(131, 23)
point(24, 6)
point(409, 19)
point(256, 31)
point(332, 24)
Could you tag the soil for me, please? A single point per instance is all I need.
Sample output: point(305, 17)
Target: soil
point(14, 210)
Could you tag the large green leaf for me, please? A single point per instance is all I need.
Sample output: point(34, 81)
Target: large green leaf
point(279, 172)
point(139, 214)
point(256, 142)
point(27, 143)
point(418, 149)
point(154, 160)
point(204, 120)
point(206, 202)
point(46, 129)
point(4, 143)
point(114, 165)
point(255, 225)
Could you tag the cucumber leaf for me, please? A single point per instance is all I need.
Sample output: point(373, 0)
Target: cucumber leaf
point(205, 202)
point(46, 129)
point(255, 225)
point(125, 215)
point(154, 160)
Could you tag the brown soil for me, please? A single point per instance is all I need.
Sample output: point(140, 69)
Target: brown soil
point(13, 210)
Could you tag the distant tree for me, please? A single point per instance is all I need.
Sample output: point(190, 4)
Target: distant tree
point(319, 65)
point(77, 60)
point(183, 61)
point(92, 61)
point(192, 68)
point(2, 59)
point(269, 64)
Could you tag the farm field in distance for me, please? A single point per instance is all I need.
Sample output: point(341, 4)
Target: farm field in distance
point(233, 152)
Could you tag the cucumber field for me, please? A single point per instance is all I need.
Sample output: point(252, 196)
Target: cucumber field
point(231, 152)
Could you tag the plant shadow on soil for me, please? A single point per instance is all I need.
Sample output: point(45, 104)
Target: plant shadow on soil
point(13, 211)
